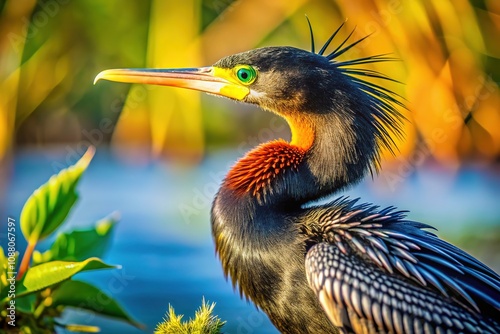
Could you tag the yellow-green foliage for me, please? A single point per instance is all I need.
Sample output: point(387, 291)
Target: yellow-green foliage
point(204, 322)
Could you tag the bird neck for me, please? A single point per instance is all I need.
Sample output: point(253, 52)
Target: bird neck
point(323, 157)
point(252, 214)
point(303, 131)
point(261, 173)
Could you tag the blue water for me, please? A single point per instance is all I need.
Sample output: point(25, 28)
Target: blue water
point(163, 240)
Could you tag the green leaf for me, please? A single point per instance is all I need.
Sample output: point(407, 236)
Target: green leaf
point(26, 303)
point(85, 296)
point(48, 206)
point(50, 273)
point(80, 244)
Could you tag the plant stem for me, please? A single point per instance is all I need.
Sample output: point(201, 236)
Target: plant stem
point(39, 310)
point(25, 263)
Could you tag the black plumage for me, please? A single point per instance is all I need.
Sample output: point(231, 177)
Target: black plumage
point(342, 266)
point(420, 282)
point(385, 273)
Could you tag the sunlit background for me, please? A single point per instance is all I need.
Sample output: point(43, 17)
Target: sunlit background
point(161, 152)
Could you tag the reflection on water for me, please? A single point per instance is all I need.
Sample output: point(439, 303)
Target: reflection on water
point(163, 240)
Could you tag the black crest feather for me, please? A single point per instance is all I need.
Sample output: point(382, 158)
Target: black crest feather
point(386, 102)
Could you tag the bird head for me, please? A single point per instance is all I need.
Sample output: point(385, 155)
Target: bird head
point(284, 80)
point(279, 79)
point(327, 103)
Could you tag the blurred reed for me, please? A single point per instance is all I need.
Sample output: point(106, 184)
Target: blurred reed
point(50, 50)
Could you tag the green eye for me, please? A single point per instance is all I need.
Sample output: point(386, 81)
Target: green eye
point(246, 74)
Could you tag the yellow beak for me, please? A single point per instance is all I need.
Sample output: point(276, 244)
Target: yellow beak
point(211, 80)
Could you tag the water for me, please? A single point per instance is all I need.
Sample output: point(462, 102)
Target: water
point(163, 240)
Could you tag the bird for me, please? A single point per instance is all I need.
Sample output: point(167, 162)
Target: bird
point(343, 266)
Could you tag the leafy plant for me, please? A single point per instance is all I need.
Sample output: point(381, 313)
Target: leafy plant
point(44, 286)
point(204, 322)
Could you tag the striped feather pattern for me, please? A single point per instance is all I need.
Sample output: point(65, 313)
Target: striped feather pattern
point(375, 271)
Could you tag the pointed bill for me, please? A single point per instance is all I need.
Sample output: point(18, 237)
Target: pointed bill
point(204, 79)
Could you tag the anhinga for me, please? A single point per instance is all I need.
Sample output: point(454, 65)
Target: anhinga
point(343, 266)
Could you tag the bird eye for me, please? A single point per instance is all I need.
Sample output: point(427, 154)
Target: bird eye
point(246, 74)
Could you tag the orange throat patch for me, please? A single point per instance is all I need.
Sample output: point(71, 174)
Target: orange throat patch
point(253, 173)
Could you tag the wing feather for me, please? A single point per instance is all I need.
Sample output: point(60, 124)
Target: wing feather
point(363, 243)
point(346, 289)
